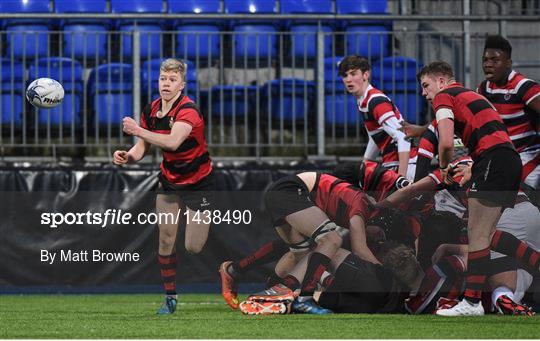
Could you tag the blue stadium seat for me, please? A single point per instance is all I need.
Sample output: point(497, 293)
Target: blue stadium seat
point(396, 76)
point(150, 76)
point(303, 37)
point(361, 6)
point(27, 41)
point(85, 40)
point(250, 6)
point(26, 38)
point(307, 6)
point(80, 6)
point(194, 6)
point(69, 73)
point(11, 92)
point(255, 37)
point(331, 69)
point(150, 41)
point(83, 37)
point(254, 40)
point(370, 41)
point(136, 6)
point(232, 100)
point(110, 88)
point(150, 37)
point(340, 107)
point(298, 95)
point(196, 39)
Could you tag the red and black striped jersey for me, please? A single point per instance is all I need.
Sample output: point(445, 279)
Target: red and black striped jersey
point(340, 200)
point(476, 121)
point(191, 161)
point(511, 100)
point(429, 141)
point(376, 108)
point(379, 181)
point(442, 281)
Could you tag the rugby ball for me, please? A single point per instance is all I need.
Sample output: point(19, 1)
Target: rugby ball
point(45, 93)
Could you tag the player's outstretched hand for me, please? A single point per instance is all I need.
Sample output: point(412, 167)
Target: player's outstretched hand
point(130, 126)
point(412, 130)
point(120, 157)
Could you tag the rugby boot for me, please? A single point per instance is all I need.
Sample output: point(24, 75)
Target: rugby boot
point(229, 289)
point(263, 308)
point(506, 306)
point(463, 308)
point(277, 293)
point(169, 306)
point(308, 306)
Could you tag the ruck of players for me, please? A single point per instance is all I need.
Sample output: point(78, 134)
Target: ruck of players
point(438, 219)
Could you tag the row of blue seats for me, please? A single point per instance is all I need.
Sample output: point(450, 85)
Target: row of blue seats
point(194, 41)
point(109, 90)
point(196, 6)
point(88, 37)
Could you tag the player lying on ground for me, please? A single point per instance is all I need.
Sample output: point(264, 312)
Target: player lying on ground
point(398, 285)
point(522, 222)
point(340, 201)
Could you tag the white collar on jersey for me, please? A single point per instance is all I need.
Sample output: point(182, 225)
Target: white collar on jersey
point(511, 75)
point(363, 97)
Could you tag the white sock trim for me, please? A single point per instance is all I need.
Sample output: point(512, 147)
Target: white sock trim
point(498, 292)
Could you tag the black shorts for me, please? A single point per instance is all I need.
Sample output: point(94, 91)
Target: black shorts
point(199, 196)
point(496, 176)
point(358, 287)
point(286, 196)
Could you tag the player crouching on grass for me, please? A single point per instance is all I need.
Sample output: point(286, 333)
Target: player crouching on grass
point(341, 202)
point(310, 212)
point(174, 123)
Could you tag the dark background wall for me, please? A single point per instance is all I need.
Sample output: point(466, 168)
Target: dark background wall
point(27, 192)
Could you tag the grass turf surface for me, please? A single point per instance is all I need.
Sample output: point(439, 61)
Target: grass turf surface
point(206, 316)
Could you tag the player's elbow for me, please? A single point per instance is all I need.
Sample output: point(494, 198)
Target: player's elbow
point(174, 144)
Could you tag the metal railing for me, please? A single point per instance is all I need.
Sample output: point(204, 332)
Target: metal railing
point(262, 93)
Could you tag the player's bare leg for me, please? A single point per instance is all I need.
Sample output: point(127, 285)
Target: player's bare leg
point(483, 219)
point(196, 234)
point(168, 231)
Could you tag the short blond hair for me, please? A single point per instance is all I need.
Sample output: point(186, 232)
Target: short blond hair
point(174, 65)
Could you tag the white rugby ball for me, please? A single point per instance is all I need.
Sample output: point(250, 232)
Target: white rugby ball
point(45, 93)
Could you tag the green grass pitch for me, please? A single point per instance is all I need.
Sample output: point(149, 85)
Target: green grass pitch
point(205, 316)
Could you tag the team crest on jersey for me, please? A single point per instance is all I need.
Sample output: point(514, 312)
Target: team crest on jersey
point(507, 97)
point(171, 122)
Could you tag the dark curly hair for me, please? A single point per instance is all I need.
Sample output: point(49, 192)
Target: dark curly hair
point(498, 42)
point(353, 62)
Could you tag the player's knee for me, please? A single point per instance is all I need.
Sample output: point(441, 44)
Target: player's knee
point(166, 240)
point(193, 247)
point(328, 233)
point(332, 239)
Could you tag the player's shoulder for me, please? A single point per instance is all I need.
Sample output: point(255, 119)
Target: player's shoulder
point(521, 82)
point(376, 94)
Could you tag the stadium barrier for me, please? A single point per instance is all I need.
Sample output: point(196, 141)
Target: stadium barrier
point(44, 211)
point(267, 87)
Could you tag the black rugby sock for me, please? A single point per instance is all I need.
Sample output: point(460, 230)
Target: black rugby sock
point(317, 265)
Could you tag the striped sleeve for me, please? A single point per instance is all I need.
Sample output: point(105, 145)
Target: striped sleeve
point(381, 108)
